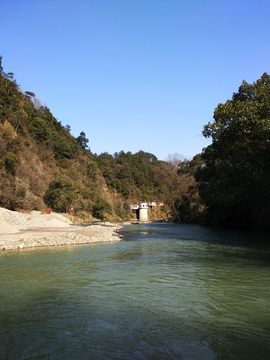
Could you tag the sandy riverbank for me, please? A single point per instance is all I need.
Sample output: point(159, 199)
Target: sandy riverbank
point(25, 230)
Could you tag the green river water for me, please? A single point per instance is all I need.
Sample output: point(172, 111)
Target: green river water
point(165, 292)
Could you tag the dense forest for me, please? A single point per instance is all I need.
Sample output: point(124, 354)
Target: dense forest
point(234, 182)
point(43, 166)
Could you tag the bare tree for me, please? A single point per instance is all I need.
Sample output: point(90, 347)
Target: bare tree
point(37, 103)
point(175, 159)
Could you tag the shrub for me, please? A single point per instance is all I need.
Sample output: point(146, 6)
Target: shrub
point(14, 145)
point(59, 194)
point(7, 131)
point(11, 162)
point(92, 170)
point(21, 193)
point(101, 208)
point(39, 129)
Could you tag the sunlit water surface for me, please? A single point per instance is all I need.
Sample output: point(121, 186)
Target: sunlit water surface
point(165, 292)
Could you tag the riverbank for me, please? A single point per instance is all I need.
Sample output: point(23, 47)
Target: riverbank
point(26, 230)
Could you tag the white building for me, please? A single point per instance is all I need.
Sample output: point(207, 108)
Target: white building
point(143, 211)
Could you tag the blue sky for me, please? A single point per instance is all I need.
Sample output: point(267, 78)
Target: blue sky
point(135, 74)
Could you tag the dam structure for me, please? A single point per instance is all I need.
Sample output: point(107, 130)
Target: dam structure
point(142, 210)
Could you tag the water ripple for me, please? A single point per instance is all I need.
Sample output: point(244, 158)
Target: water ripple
point(166, 292)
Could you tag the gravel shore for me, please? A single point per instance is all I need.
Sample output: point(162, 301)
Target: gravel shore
point(25, 230)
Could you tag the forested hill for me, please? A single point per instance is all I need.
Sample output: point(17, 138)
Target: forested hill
point(42, 165)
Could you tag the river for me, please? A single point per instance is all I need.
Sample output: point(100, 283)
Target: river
point(165, 291)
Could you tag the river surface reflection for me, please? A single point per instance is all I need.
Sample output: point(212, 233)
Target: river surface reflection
point(165, 292)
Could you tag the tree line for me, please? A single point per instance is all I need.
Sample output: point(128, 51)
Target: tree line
point(227, 184)
point(43, 165)
point(234, 182)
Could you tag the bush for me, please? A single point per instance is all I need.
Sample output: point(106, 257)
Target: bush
point(21, 193)
point(188, 209)
point(39, 129)
point(11, 162)
point(92, 170)
point(101, 208)
point(59, 194)
point(7, 131)
point(63, 147)
point(14, 145)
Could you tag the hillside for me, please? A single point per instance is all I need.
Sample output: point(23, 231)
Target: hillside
point(42, 165)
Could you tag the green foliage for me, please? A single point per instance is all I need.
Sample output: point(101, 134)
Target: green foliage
point(92, 170)
point(82, 141)
point(119, 211)
point(234, 184)
point(19, 111)
point(190, 166)
point(101, 208)
point(130, 174)
point(21, 193)
point(11, 161)
point(8, 198)
point(39, 129)
point(183, 206)
point(63, 145)
point(14, 145)
point(122, 210)
point(188, 209)
point(126, 208)
point(59, 194)
point(30, 132)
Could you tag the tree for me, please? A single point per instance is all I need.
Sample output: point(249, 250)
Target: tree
point(59, 194)
point(175, 159)
point(36, 102)
point(235, 182)
point(39, 129)
point(68, 129)
point(101, 208)
point(63, 145)
point(82, 141)
point(10, 76)
point(190, 166)
point(29, 94)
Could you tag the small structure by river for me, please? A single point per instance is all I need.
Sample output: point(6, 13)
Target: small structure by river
point(142, 210)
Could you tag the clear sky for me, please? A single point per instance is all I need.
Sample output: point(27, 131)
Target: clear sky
point(135, 74)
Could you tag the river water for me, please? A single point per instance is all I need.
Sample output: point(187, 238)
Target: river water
point(165, 292)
